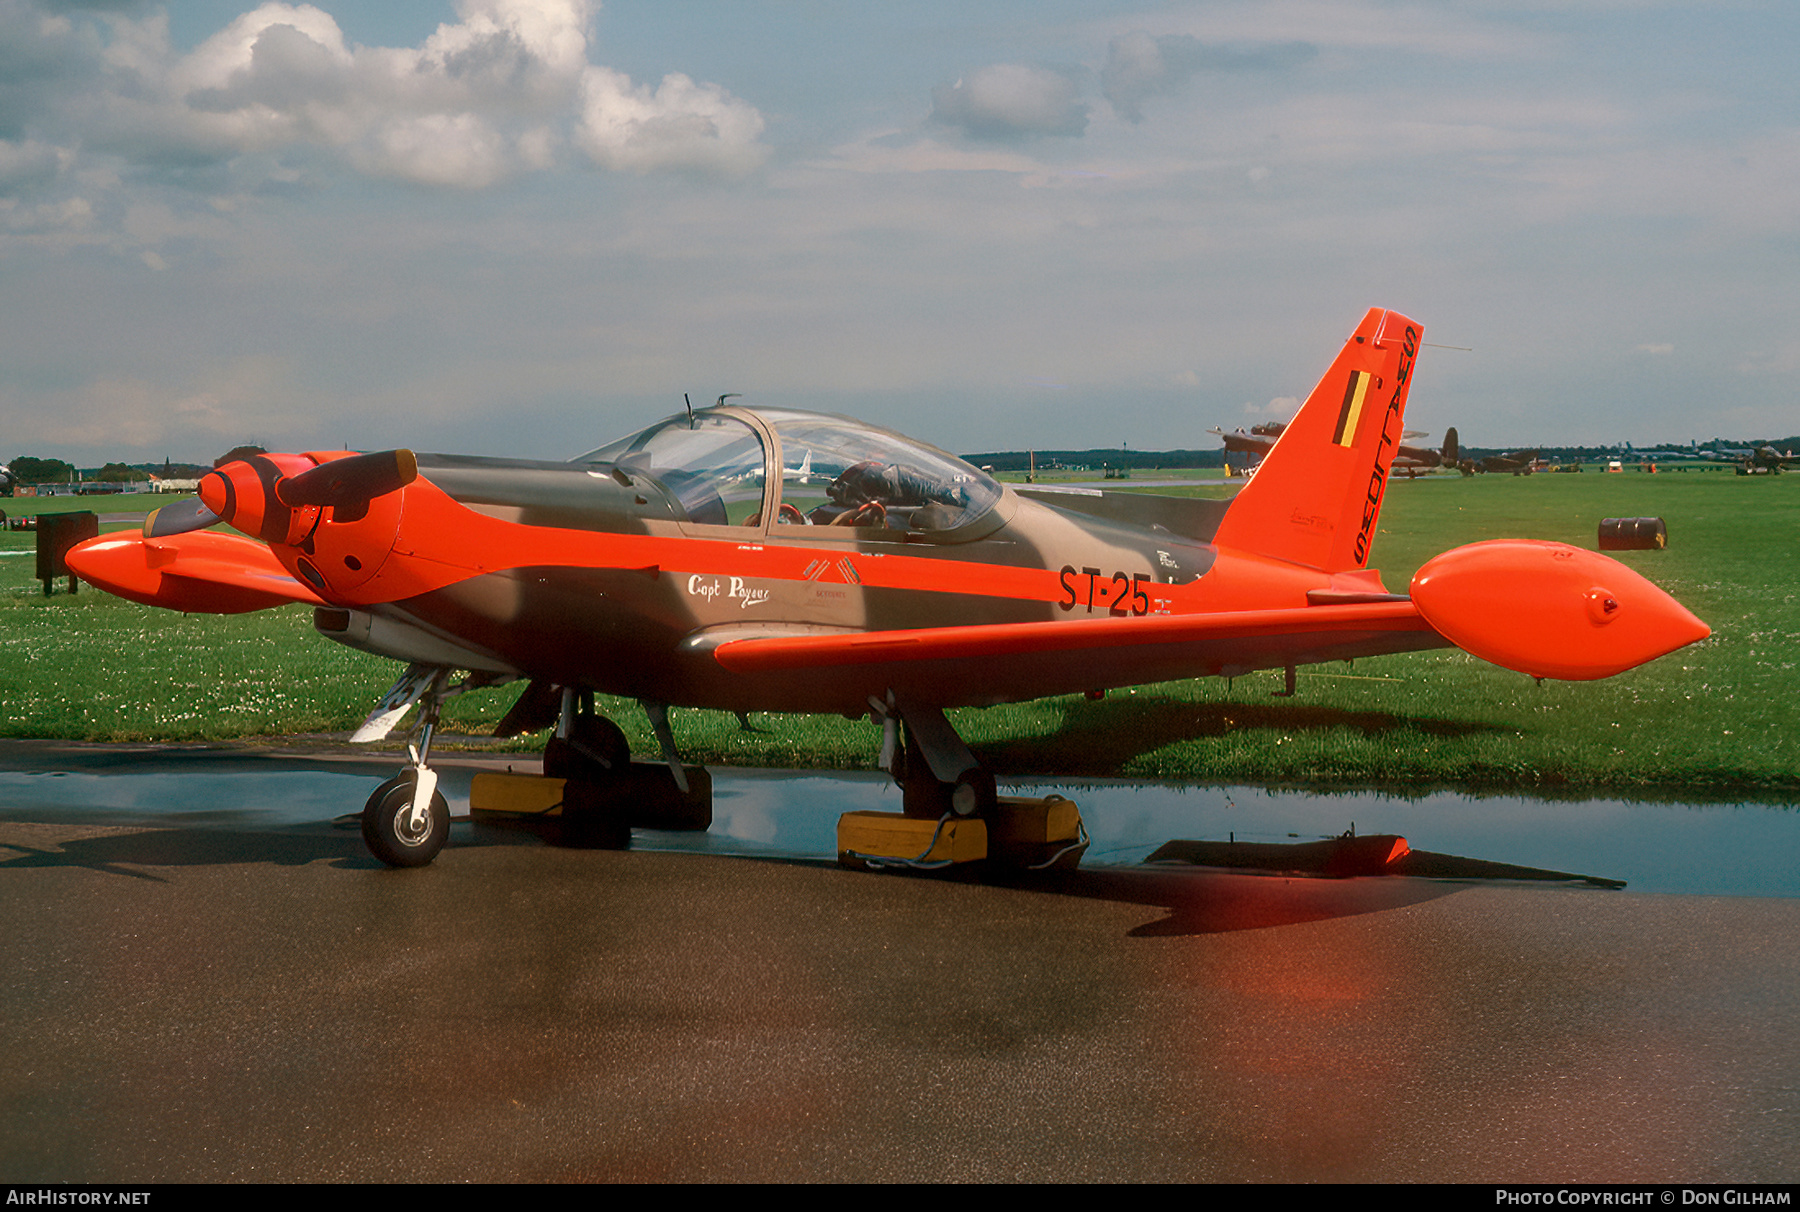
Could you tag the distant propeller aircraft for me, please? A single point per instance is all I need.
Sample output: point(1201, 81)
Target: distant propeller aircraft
point(1764, 459)
point(1407, 459)
point(1257, 443)
point(1519, 462)
point(766, 559)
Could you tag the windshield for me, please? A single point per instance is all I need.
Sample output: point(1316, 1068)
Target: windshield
point(840, 472)
point(711, 467)
point(835, 472)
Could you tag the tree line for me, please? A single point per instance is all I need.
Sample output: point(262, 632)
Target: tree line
point(29, 470)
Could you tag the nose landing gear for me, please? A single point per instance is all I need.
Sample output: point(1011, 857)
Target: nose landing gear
point(395, 829)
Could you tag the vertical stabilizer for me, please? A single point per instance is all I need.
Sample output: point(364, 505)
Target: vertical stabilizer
point(1315, 499)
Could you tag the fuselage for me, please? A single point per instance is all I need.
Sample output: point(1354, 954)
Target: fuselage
point(771, 559)
point(599, 573)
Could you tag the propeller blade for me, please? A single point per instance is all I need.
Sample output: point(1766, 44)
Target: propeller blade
point(349, 481)
point(179, 518)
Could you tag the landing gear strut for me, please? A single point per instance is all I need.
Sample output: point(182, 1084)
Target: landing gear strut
point(591, 753)
point(938, 776)
point(406, 822)
point(585, 746)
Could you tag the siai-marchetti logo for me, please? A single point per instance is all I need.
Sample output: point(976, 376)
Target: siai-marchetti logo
point(711, 588)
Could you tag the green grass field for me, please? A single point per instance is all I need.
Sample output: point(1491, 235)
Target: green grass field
point(1716, 720)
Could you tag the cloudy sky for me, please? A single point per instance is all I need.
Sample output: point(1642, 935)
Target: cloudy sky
point(528, 226)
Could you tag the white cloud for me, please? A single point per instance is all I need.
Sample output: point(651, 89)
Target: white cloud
point(681, 125)
point(464, 109)
point(491, 95)
point(437, 149)
point(1010, 101)
point(302, 41)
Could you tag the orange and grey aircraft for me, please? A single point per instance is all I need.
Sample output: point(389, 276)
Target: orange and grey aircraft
point(689, 565)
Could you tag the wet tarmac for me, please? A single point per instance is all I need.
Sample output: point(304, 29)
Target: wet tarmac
point(206, 981)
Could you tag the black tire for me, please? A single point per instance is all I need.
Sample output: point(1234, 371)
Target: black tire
point(384, 824)
point(974, 793)
point(593, 819)
point(922, 795)
point(593, 737)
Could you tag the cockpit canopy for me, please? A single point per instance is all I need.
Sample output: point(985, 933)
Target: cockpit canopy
point(727, 466)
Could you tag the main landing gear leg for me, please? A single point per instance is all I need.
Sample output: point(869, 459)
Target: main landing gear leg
point(665, 737)
point(590, 754)
point(406, 822)
point(936, 772)
point(586, 745)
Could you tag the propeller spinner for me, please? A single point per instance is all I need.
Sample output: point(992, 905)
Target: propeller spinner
point(276, 497)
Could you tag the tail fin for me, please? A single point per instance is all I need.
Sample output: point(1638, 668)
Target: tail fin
point(1316, 496)
point(1452, 452)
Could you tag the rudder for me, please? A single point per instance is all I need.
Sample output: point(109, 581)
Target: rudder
point(1316, 497)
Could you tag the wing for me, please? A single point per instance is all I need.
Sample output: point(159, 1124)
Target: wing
point(1095, 653)
point(1545, 609)
point(202, 572)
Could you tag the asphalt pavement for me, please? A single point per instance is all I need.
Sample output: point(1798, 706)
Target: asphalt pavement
point(216, 999)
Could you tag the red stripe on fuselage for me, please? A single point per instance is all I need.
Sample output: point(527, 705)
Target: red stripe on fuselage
point(441, 542)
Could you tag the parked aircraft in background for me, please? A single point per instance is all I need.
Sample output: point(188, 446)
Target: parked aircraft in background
point(1413, 459)
point(1764, 459)
point(1252, 446)
point(1409, 460)
point(1519, 462)
point(687, 565)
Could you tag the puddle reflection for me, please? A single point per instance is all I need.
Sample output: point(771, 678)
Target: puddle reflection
point(1722, 849)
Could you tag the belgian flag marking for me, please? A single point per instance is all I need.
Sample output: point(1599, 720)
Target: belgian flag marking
point(1354, 392)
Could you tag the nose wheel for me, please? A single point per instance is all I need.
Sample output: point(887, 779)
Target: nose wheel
point(406, 821)
point(399, 833)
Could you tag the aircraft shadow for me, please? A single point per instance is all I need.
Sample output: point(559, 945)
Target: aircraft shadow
point(1206, 901)
point(1196, 901)
point(1101, 739)
point(118, 853)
